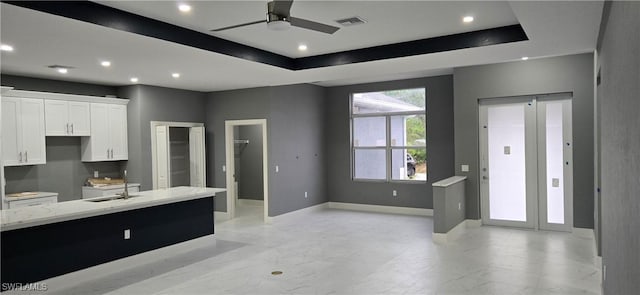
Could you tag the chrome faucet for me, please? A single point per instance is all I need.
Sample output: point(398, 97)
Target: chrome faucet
point(125, 194)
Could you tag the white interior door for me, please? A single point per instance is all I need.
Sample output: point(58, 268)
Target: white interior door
point(163, 167)
point(525, 152)
point(197, 156)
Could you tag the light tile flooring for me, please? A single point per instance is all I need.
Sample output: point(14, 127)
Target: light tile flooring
point(344, 252)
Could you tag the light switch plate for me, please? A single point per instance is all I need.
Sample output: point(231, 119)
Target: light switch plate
point(96, 174)
point(464, 168)
point(277, 169)
point(127, 234)
point(507, 150)
point(224, 168)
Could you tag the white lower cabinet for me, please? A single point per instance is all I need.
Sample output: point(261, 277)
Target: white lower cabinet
point(23, 131)
point(40, 199)
point(92, 192)
point(108, 140)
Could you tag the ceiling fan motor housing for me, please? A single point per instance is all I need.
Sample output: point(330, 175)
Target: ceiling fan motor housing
point(277, 22)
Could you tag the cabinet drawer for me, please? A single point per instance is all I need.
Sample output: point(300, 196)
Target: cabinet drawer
point(32, 202)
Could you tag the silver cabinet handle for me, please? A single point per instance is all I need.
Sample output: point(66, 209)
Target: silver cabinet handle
point(71, 128)
point(67, 129)
point(26, 156)
point(20, 155)
point(107, 153)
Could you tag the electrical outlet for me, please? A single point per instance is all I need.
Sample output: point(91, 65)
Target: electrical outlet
point(459, 206)
point(224, 168)
point(464, 168)
point(127, 234)
point(277, 168)
point(306, 195)
point(96, 174)
point(395, 193)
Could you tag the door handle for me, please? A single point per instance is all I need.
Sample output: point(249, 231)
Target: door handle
point(485, 177)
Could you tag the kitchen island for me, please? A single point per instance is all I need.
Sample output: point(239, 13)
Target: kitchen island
point(49, 240)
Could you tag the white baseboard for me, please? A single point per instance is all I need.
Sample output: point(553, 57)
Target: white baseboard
point(220, 216)
point(381, 209)
point(307, 210)
point(250, 202)
point(456, 232)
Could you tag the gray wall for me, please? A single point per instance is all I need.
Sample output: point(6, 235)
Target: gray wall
point(341, 188)
point(295, 139)
point(572, 73)
point(63, 173)
point(250, 178)
point(446, 213)
point(152, 103)
point(619, 95)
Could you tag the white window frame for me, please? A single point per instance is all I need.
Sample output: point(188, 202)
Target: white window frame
point(388, 148)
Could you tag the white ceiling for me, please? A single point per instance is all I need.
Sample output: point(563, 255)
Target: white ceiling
point(40, 39)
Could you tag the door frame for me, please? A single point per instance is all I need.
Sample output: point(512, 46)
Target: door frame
point(154, 147)
point(536, 187)
point(230, 164)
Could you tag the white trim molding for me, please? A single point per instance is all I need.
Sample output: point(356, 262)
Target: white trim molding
point(584, 232)
point(456, 232)
point(250, 202)
point(64, 96)
point(381, 209)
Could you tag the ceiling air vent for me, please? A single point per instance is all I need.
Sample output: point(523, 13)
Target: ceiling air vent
point(351, 21)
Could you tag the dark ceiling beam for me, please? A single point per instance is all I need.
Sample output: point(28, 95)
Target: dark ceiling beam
point(501, 35)
point(98, 14)
point(102, 15)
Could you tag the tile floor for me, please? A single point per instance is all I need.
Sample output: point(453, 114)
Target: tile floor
point(343, 252)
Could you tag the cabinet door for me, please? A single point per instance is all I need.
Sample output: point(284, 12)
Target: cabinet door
point(11, 148)
point(33, 134)
point(118, 131)
point(79, 118)
point(99, 148)
point(56, 117)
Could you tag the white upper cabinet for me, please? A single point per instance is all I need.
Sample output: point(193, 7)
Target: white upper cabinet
point(23, 131)
point(108, 141)
point(67, 118)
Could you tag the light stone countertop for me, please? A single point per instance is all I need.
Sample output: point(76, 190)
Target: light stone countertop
point(17, 218)
point(27, 197)
point(449, 181)
point(110, 186)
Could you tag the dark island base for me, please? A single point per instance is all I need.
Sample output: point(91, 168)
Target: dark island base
point(40, 252)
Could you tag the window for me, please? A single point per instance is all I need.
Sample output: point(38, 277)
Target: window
point(388, 135)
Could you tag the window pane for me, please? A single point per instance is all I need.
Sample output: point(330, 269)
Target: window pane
point(405, 100)
point(409, 164)
point(408, 130)
point(370, 131)
point(370, 164)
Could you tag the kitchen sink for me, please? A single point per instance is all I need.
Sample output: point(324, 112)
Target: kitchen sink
point(109, 198)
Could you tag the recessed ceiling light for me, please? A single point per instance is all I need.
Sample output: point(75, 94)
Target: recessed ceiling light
point(5, 47)
point(302, 47)
point(105, 63)
point(467, 19)
point(62, 70)
point(184, 7)
point(175, 75)
point(134, 80)
point(524, 58)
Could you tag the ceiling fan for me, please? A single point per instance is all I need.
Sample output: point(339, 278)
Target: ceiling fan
point(279, 18)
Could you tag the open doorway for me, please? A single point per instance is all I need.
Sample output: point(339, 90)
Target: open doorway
point(178, 154)
point(246, 165)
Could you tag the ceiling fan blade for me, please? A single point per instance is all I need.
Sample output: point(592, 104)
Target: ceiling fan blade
point(281, 7)
point(236, 26)
point(311, 25)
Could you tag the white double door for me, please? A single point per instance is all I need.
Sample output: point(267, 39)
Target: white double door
point(526, 162)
